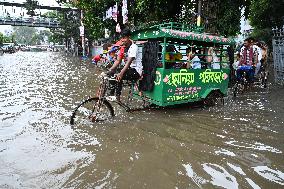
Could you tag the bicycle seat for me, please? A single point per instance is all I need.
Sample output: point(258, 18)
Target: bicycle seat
point(245, 68)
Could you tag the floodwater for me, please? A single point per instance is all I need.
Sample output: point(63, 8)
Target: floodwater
point(239, 145)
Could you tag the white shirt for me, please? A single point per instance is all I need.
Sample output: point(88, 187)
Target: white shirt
point(236, 64)
point(259, 52)
point(196, 63)
point(135, 52)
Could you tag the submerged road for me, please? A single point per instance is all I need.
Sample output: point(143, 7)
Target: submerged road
point(239, 145)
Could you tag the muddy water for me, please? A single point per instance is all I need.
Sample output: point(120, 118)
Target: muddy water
point(239, 145)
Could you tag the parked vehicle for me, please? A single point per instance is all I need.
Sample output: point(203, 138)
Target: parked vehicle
point(8, 48)
point(1, 51)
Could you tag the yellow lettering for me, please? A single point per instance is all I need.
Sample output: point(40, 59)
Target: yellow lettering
point(209, 76)
point(183, 77)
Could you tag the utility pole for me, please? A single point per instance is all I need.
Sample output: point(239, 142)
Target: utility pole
point(82, 33)
point(199, 13)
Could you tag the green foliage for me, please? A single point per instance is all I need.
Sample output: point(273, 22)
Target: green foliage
point(50, 14)
point(70, 22)
point(228, 16)
point(145, 12)
point(24, 34)
point(6, 38)
point(28, 35)
point(93, 17)
point(265, 15)
point(1, 38)
point(148, 10)
point(264, 34)
point(31, 5)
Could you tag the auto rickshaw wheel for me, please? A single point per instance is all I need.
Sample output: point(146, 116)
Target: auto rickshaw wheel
point(212, 98)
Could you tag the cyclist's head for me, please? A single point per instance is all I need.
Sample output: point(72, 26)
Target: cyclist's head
point(252, 40)
point(247, 42)
point(125, 36)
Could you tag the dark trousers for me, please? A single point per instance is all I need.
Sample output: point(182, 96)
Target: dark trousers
point(249, 74)
point(131, 75)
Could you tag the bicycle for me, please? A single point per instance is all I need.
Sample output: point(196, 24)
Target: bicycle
point(243, 79)
point(99, 108)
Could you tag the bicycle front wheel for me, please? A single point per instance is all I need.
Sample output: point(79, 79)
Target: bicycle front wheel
point(92, 110)
point(239, 88)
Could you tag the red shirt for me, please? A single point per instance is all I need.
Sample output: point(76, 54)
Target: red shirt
point(97, 58)
point(121, 52)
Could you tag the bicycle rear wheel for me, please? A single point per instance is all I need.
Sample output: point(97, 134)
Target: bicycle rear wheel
point(91, 110)
point(240, 88)
point(263, 79)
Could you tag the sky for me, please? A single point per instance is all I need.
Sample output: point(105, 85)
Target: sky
point(18, 10)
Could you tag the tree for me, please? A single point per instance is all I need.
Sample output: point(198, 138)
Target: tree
point(70, 22)
point(227, 15)
point(31, 5)
point(146, 12)
point(26, 35)
point(265, 15)
point(1, 38)
point(8, 38)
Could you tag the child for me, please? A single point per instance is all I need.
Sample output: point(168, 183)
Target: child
point(97, 58)
point(215, 61)
point(112, 56)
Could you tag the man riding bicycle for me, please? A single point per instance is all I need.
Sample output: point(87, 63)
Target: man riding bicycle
point(132, 69)
point(248, 60)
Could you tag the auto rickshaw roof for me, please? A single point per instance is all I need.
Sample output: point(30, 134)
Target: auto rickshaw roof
point(181, 32)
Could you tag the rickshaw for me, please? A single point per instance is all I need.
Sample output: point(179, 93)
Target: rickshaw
point(181, 64)
point(244, 80)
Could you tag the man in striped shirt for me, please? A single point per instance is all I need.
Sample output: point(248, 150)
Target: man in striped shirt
point(248, 60)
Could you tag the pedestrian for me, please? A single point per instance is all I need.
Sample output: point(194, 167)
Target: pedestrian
point(259, 55)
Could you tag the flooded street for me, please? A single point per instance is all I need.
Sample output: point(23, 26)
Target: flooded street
point(239, 145)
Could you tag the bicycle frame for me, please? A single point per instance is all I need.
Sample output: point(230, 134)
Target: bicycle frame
point(101, 94)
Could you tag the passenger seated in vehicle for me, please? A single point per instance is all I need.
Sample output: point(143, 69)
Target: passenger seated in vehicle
point(213, 59)
point(194, 60)
point(172, 55)
point(236, 64)
point(189, 57)
point(203, 59)
point(262, 59)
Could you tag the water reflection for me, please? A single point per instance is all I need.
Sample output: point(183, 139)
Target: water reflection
point(238, 145)
point(270, 174)
point(220, 177)
point(255, 146)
